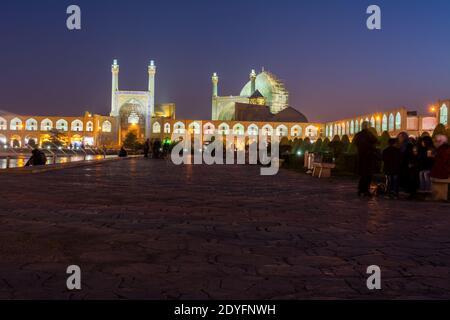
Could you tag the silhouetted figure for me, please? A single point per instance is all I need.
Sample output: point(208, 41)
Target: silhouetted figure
point(123, 153)
point(37, 158)
point(146, 148)
point(441, 166)
point(409, 167)
point(426, 155)
point(156, 149)
point(365, 143)
point(392, 162)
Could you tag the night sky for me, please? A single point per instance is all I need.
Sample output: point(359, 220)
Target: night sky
point(332, 64)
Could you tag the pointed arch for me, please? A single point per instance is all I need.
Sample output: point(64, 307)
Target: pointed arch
point(89, 126)
point(224, 128)
point(15, 124)
point(267, 130)
point(76, 125)
point(194, 128)
point(282, 131)
point(391, 123)
point(311, 131)
point(209, 128)
point(296, 131)
point(238, 129)
point(156, 127)
point(46, 125)
point(167, 127)
point(106, 126)
point(62, 125)
point(443, 114)
point(31, 125)
point(398, 121)
point(384, 123)
point(3, 124)
point(179, 128)
point(253, 130)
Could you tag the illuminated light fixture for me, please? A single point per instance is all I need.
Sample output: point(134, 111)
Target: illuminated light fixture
point(299, 153)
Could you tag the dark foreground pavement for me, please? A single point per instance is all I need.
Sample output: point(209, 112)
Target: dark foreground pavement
point(149, 229)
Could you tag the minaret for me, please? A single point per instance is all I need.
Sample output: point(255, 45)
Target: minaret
point(215, 82)
point(252, 82)
point(151, 89)
point(114, 87)
point(215, 91)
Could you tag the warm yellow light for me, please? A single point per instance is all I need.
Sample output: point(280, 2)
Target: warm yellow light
point(432, 109)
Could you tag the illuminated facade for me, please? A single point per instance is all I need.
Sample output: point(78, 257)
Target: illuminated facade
point(392, 121)
point(261, 108)
point(89, 130)
point(264, 89)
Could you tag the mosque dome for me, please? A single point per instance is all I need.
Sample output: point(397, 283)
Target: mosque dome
point(273, 90)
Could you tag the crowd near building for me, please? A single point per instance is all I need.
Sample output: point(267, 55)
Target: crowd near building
point(261, 108)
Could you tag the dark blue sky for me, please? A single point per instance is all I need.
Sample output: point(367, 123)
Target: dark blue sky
point(333, 66)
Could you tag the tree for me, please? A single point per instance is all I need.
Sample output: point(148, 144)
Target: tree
point(130, 141)
point(57, 138)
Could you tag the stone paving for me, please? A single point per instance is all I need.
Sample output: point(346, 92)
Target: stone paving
point(147, 229)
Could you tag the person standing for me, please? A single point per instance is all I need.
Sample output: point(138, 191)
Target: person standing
point(146, 148)
point(426, 154)
point(409, 175)
point(441, 166)
point(156, 149)
point(365, 142)
point(391, 161)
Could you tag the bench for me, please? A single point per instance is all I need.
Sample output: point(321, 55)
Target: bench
point(322, 169)
point(439, 189)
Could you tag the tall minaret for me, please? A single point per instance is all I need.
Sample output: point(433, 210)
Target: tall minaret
point(252, 82)
point(114, 87)
point(215, 82)
point(215, 91)
point(151, 89)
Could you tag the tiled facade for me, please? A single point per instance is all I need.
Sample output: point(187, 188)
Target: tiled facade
point(88, 130)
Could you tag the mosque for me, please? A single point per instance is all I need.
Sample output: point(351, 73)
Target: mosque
point(262, 107)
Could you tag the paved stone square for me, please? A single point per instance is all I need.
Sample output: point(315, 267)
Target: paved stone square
point(147, 229)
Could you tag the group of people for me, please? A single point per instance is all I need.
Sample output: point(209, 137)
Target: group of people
point(154, 147)
point(409, 164)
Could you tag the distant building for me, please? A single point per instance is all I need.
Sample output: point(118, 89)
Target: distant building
point(262, 107)
point(263, 98)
